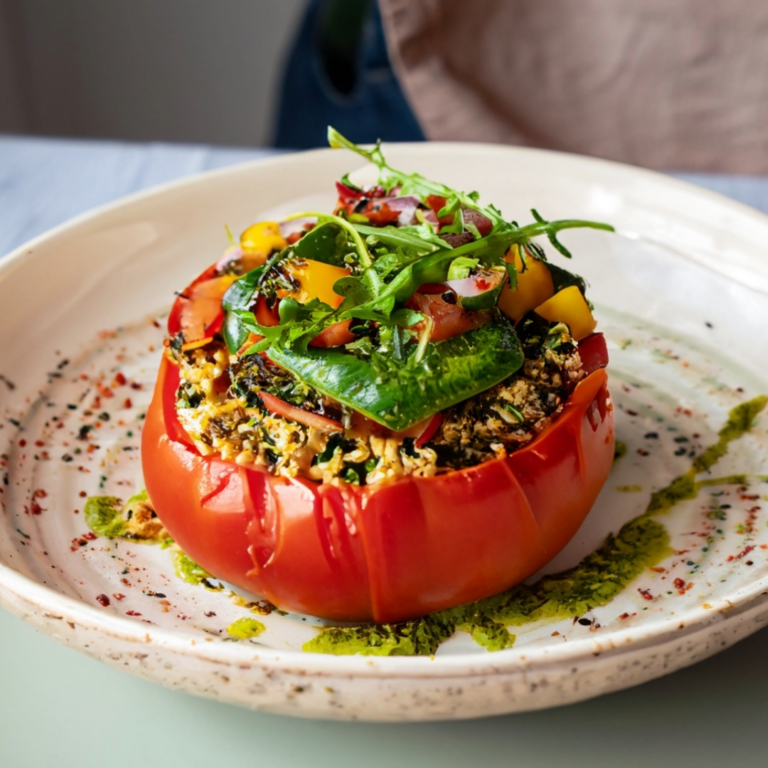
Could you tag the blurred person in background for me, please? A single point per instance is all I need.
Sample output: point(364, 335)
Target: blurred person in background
point(668, 84)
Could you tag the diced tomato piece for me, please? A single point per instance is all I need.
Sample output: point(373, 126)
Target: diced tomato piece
point(436, 204)
point(266, 316)
point(279, 407)
point(449, 319)
point(335, 335)
point(347, 194)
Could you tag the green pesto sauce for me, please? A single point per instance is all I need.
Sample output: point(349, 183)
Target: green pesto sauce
point(629, 488)
point(685, 487)
point(105, 515)
point(188, 570)
point(245, 628)
point(102, 516)
point(595, 581)
point(620, 449)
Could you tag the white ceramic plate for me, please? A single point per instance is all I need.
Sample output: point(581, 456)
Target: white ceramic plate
point(681, 291)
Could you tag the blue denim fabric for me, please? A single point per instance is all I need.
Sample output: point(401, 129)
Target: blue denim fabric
point(309, 102)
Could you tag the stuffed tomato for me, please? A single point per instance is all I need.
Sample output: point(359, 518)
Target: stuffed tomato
point(382, 412)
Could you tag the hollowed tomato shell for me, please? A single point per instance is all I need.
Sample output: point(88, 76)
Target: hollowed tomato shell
point(388, 552)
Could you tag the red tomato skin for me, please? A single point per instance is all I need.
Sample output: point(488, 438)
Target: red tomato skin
point(593, 352)
point(388, 553)
point(174, 317)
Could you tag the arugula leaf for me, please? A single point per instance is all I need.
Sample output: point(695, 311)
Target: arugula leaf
point(325, 242)
point(414, 183)
point(460, 267)
point(404, 237)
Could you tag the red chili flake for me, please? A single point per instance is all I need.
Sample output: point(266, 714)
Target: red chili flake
point(624, 616)
point(679, 584)
point(128, 403)
point(90, 536)
point(22, 442)
point(39, 494)
point(76, 511)
point(126, 582)
point(118, 595)
point(741, 554)
point(136, 385)
point(210, 613)
point(102, 600)
point(645, 593)
point(156, 324)
point(39, 443)
point(104, 390)
point(132, 613)
point(34, 508)
point(120, 380)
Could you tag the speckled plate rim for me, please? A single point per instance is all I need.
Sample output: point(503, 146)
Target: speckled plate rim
point(52, 604)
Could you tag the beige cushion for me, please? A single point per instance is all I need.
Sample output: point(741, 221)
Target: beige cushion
point(668, 84)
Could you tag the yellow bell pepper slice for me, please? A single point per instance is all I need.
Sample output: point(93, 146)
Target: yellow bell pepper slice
point(262, 239)
point(570, 307)
point(534, 286)
point(316, 280)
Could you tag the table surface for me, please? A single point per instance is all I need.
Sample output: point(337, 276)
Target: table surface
point(58, 708)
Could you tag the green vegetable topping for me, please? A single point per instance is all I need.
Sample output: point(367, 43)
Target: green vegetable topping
point(393, 351)
point(398, 392)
